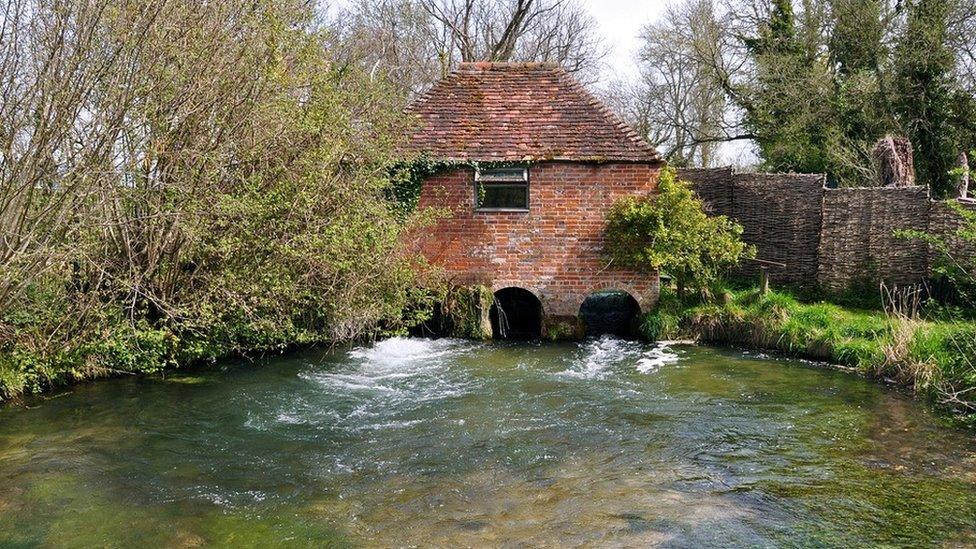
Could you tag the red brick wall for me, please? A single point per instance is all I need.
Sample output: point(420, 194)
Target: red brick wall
point(554, 249)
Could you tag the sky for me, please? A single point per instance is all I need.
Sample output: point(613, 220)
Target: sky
point(620, 23)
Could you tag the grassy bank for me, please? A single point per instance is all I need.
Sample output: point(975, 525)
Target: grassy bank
point(934, 358)
point(119, 348)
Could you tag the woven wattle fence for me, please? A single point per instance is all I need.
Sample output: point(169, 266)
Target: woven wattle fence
point(831, 238)
point(943, 220)
point(713, 186)
point(858, 242)
point(781, 215)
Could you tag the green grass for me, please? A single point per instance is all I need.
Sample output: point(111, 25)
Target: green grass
point(934, 357)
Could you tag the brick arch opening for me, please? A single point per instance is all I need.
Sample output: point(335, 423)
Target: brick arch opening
point(610, 311)
point(517, 313)
point(645, 297)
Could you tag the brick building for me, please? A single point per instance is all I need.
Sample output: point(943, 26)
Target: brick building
point(539, 161)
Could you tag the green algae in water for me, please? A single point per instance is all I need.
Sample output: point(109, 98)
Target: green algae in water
point(77, 514)
point(189, 380)
point(448, 442)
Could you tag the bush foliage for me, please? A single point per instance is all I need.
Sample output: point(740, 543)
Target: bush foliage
point(185, 181)
point(955, 263)
point(671, 233)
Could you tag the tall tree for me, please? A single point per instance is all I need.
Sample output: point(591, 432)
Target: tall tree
point(932, 106)
point(857, 35)
point(559, 31)
point(858, 54)
point(678, 102)
point(814, 83)
point(415, 42)
point(789, 105)
point(962, 40)
point(397, 39)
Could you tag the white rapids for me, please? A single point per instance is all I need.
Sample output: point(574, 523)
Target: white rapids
point(600, 357)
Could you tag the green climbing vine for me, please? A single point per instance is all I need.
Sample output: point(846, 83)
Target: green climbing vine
point(407, 178)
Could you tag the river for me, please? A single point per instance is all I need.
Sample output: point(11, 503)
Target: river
point(414, 442)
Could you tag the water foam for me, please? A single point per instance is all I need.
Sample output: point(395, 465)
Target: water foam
point(398, 351)
point(657, 357)
point(387, 367)
point(378, 388)
point(598, 356)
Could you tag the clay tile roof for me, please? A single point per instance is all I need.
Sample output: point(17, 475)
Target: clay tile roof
point(520, 112)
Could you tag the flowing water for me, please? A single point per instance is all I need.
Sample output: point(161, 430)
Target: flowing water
point(414, 442)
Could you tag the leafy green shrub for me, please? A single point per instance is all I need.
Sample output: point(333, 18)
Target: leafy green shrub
point(670, 232)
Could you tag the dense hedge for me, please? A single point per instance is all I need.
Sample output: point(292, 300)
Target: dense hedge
point(195, 181)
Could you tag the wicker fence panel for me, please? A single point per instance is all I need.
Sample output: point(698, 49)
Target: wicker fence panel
point(946, 222)
point(780, 215)
point(836, 238)
point(713, 186)
point(858, 243)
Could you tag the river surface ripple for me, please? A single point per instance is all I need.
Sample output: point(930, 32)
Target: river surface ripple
point(417, 442)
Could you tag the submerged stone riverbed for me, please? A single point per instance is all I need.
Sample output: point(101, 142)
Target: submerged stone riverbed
point(448, 442)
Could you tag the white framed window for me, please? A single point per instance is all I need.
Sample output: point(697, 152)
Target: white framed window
point(502, 189)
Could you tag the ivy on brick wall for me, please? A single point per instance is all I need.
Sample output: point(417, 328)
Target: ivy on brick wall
point(407, 178)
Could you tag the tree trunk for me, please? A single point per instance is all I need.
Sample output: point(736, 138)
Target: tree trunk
point(962, 187)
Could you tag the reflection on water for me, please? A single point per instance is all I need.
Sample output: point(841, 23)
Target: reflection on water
point(449, 442)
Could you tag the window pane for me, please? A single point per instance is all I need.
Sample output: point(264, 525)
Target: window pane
point(505, 196)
